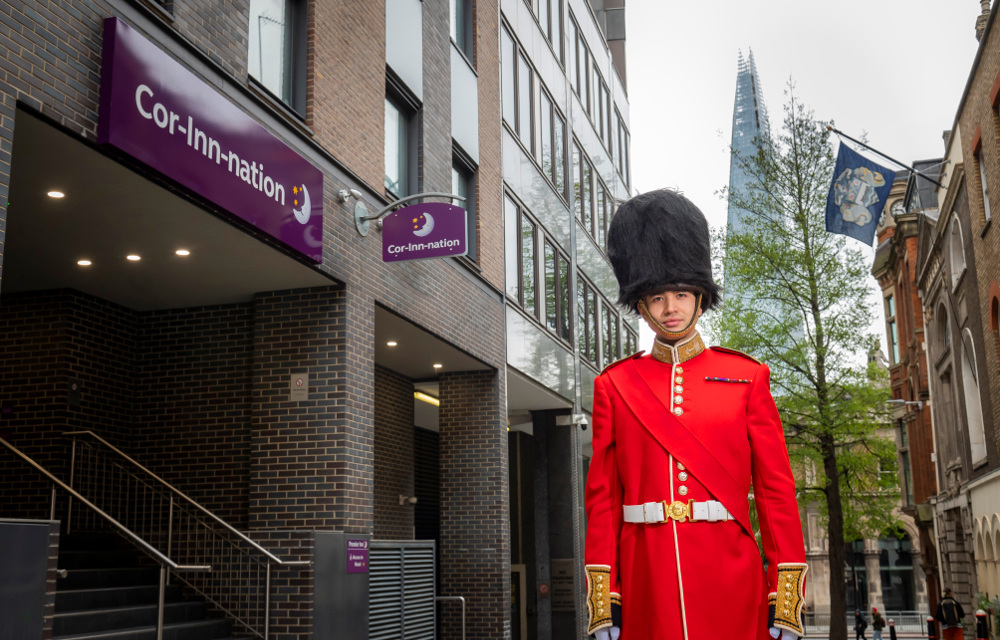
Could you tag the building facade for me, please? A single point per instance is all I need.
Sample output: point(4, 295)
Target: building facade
point(978, 180)
point(185, 275)
point(565, 148)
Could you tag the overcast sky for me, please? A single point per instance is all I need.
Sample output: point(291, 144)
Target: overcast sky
point(892, 69)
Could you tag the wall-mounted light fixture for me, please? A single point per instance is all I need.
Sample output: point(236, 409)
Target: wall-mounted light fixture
point(906, 403)
point(404, 500)
point(345, 194)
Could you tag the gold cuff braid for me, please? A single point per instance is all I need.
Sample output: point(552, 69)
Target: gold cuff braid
point(790, 597)
point(599, 596)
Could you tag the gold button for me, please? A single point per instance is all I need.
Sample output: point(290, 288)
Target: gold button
point(678, 411)
point(682, 490)
point(679, 380)
point(679, 369)
point(678, 388)
point(680, 467)
point(678, 399)
point(682, 476)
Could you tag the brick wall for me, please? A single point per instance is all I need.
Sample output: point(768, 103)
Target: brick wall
point(977, 113)
point(192, 403)
point(474, 552)
point(49, 340)
point(347, 83)
point(393, 455)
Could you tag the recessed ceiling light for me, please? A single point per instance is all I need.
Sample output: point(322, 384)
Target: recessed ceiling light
point(438, 366)
point(391, 343)
point(55, 194)
point(133, 257)
point(182, 252)
point(84, 263)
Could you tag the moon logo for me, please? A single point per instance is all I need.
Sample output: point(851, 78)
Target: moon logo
point(427, 228)
point(302, 215)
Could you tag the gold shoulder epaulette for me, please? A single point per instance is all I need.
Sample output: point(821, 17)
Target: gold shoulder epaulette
point(618, 362)
point(735, 352)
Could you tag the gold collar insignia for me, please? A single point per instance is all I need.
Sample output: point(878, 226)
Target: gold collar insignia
point(678, 353)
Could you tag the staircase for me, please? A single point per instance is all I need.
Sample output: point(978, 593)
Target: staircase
point(110, 592)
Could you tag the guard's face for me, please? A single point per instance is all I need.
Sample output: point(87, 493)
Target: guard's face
point(674, 310)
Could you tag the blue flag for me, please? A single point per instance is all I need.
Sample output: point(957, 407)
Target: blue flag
point(857, 195)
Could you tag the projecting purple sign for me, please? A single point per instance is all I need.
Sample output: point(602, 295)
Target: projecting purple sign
point(427, 230)
point(161, 114)
point(357, 556)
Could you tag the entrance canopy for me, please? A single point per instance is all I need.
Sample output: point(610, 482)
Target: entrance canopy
point(109, 212)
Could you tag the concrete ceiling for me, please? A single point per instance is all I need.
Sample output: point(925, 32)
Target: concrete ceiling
point(110, 211)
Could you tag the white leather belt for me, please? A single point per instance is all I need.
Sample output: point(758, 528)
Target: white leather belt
point(690, 511)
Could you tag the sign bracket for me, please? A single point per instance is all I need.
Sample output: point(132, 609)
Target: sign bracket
point(362, 219)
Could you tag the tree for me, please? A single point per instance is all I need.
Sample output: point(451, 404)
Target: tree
point(797, 298)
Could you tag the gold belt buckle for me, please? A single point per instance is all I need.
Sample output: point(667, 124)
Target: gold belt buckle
point(677, 510)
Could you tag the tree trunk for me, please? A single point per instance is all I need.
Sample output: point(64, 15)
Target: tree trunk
point(835, 535)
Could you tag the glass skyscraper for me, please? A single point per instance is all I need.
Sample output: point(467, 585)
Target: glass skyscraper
point(749, 123)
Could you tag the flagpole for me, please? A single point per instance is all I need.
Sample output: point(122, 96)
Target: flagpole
point(890, 158)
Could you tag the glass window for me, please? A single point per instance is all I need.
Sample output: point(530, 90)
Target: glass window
point(577, 193)
point(461, 25)
point(555, 29)
point(463, 183)
point(512, 244)
point(559, 154)
point(545, 131)
point(524, 86)
point(631, 341)
point(396, 149)
point(574, 53)
point(609, 334)
point(507, 66)
point(587, 321)
point(552, 131)
point(890, 319)
point(587, 195)
point(551, 287)
point(528, 266)
point(276, 50)
point(982, 184)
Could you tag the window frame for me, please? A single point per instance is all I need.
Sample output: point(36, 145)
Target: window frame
point(462, 163)
point(294, 54)
point(402, 99)
point(462, 34)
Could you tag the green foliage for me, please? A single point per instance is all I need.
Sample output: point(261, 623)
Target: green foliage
point(798, 298)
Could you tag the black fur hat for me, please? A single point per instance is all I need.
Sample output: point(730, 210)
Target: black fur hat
point(657, 241)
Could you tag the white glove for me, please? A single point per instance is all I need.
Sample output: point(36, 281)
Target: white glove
point(608, 633)
point(775, 632)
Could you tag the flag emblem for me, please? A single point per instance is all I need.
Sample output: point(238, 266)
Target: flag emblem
point(857, 195)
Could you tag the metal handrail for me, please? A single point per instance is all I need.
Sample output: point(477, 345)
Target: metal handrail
point(151, 550)
point(265, 559)
point(191, 501)
point(460, 599)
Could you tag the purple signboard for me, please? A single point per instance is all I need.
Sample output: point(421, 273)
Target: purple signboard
point(161, 114)
point(357, 556)
point(426, 230)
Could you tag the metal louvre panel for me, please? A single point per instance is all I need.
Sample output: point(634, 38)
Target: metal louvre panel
point(385, 583)
point(401, 591)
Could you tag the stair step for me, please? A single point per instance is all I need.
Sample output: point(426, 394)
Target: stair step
point(201, 630)
point(126, 617)
point(113, 577)
point(68, 600)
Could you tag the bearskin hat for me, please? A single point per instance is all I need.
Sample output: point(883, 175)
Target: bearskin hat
point(657, 241)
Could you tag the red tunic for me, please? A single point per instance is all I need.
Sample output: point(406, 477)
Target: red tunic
point(658, 428)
